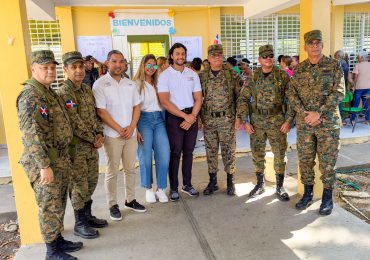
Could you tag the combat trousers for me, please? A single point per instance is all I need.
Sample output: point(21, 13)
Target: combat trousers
point(324, 143)
point(51, 198)
point(269, 128)
point(220, 132)
point(83, 181)
point(117, 149)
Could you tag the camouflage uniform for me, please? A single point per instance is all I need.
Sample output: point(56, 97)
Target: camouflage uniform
point(47, 133)
point(80, 104)
point(218, 114)
point(263, 98)
point(318, 88)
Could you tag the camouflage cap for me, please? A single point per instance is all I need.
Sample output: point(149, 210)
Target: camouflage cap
point(215, 48)
point(43, 57)
point(266, 50)
point(312, 35)
point(72, 57)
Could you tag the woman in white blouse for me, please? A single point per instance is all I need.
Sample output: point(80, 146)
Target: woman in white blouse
point(152, 134)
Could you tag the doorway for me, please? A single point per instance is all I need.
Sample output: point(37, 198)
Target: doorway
point(140, 45)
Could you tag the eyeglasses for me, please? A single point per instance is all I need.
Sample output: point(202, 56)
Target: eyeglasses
point(271, 56)
point(149, 66)
point(217, 56)
point(314, 44)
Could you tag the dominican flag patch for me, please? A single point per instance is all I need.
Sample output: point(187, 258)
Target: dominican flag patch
point(71, 103)
point(44, 112)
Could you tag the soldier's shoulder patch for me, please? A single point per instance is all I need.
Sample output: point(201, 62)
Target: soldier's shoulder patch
point(44, 111)
point(71, 103)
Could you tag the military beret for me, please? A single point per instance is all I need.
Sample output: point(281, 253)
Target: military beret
point(215, 48)
point(72, 57)
point(266, 50)
point(43, 57)
point(312, 35)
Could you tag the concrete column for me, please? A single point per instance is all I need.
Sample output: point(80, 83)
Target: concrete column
point(337, 24)
point(269, 170)
point(214, 27)
point(67, 37)
point(15, 49)
point(315, 14)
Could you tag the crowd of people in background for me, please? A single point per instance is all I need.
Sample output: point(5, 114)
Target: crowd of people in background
point(354, 80)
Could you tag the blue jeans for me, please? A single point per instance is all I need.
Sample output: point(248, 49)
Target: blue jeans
point(358, 94)
point(152, 127)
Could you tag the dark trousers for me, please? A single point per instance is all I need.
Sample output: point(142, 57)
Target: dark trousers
point(181, 141)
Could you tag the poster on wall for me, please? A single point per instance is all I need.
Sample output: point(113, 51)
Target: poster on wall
point(97, 46)
point(192, 44)
point(141, 22)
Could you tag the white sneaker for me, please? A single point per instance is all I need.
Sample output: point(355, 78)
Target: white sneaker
point(150, 196)
point(161, 195)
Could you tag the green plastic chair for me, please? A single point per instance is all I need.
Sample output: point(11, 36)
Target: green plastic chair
point(347, 108)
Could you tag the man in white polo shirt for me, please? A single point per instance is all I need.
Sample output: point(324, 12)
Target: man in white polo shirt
point(180, 93)
point(117, 102)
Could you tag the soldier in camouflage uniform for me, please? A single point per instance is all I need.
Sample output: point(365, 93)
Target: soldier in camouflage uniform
point(46, 134)
point(221, 87)
point(314, 94)
point(88, 137)
point(264, 101)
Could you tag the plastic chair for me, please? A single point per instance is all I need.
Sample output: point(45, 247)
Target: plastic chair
point(349, 109)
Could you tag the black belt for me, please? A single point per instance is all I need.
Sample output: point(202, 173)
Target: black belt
point(267, 112)
point(218, 114)
point(187, 110)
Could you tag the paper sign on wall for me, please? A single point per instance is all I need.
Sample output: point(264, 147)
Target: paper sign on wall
point(193, 45)
point(97, 46)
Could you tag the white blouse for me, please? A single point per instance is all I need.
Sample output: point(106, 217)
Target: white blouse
point(148, 98)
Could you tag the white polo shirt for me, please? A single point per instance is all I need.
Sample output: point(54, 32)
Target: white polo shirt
point(180, 85)
point(118, 98)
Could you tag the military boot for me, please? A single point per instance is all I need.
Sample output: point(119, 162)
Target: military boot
point(306, 200)
point(230, 185)
point(280, 191)
point(212, 185)
point(327, 202)
point(92, 220)
point(82, 228)
point(260, 186)
point(68, 246)
point(53, 253)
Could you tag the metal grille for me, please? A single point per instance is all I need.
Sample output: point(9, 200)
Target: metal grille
point(242, 38)
point(45, 35)
point(139, 50)
point(356, 35)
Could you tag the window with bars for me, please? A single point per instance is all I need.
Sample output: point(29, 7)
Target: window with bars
point(356, 35)
point(45, 35)
point(242, 38)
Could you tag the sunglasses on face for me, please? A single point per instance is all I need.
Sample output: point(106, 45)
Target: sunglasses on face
point(217, 56)
point(149, 66)
point(314, 44)
point(271, 56)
